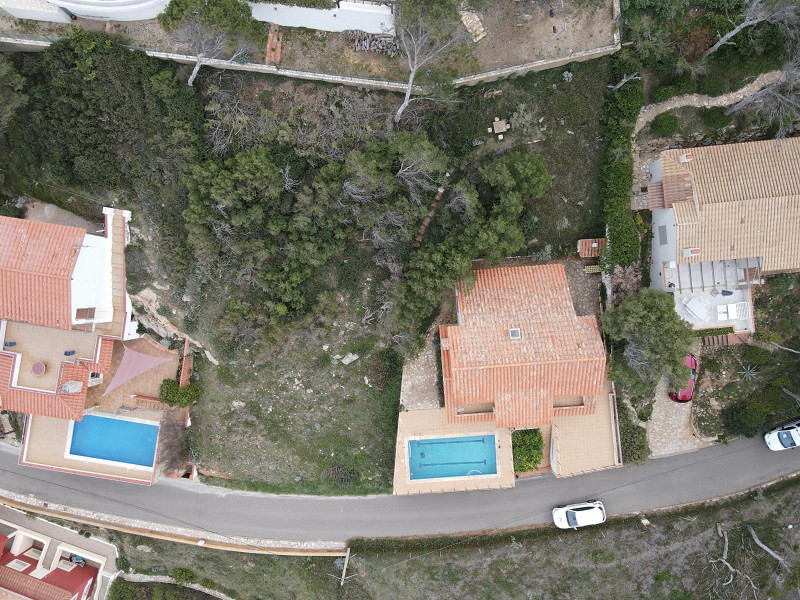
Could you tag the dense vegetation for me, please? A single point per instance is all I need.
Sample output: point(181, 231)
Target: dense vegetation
point(128, 590)
point(527, 446)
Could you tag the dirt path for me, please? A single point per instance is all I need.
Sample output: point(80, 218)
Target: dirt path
point(651, 111)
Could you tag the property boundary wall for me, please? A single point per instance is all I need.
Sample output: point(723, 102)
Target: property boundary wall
point(15, 42)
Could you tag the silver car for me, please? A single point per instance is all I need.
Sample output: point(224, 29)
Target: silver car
point(572, 516)
point(784, 437)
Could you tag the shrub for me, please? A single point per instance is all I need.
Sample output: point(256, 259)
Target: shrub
point(781, 284)
point(174, 395)
point(754, 355)
point(527, 445)
point(713, 85)
point(715, 118)
point(751, 415)
point(712, 365)
point(633, 438)
point(123, 564)
point(665, 92)
point(183, 575)
point(712, 331)
point(664, 125)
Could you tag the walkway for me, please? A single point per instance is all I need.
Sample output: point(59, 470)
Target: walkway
point(669, 429)
point(708, 473)
point(651, 111)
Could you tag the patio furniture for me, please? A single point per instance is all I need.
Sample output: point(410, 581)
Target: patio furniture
point(698, 308)
point(38, 368)
point(500, 126)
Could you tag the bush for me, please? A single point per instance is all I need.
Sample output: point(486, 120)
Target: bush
point(527, 445)
point(123, 564)
point(664, 125)
point(754, 355)
point(712, 331)
point(753, 414)
point(713, 85)
point(715, 118)
point(712, 366)
point(633, 438)
point(183, 575)
point(665, 92)
point(174, 395)
point(781, 284)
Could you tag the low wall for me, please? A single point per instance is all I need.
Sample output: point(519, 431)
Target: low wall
point(12, 42)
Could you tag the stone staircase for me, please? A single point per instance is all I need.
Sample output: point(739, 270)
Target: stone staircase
point(728, 339)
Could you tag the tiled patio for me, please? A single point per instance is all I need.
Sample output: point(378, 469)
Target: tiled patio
point(134, 394)
point(713, 286)
point(422, 423)
point(585, 443)
point(46, 345)
point(45, 446)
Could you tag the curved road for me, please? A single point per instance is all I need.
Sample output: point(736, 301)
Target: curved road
point(705, 474)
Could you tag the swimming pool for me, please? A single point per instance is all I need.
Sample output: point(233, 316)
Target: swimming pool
point(452, 457)
point(106, 439)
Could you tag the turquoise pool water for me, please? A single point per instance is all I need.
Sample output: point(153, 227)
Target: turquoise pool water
point(452, 457)
point(119, 440)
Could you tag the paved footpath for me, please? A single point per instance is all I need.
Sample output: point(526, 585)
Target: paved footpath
point(705, 474)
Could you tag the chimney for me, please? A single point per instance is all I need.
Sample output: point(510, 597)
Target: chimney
point(685, 158)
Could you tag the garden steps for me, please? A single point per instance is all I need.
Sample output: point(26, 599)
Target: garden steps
point(729, 339)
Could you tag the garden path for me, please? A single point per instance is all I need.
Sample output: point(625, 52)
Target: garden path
point(669, 429)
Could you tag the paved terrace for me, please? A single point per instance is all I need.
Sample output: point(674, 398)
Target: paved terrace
point(329, 522)
point(702, 284)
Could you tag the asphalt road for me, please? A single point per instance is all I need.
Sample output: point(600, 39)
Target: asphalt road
point(705, 474)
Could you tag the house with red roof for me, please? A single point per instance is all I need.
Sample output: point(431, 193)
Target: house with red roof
point(70, 347)
point(43, 561)
point(518, 357)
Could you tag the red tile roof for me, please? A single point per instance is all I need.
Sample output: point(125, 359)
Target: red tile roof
point(591, 247)
point(30, 587)
point(36, 263)
point(557, 355)
point(60, 405)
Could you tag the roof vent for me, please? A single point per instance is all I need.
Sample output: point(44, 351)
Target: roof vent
point(690, 252)
point(514, 333)
point(685, 158)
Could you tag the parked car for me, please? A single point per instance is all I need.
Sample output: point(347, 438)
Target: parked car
point(572, 516)
point(784, 437)
point(686, 394)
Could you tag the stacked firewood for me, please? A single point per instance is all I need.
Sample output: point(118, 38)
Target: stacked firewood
point(362, 41)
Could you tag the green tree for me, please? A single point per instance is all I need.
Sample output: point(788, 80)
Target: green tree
point(656, 338)
point(11, 94)
point(517, 171)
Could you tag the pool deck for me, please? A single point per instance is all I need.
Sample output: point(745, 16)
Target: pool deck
point(431, 423)
point(45, 445)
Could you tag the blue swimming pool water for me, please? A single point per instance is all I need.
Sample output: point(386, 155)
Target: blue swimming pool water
point(115, 439)
point(452, 457)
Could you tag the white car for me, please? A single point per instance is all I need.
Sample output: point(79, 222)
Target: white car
point(784, 437)
point(572, 516)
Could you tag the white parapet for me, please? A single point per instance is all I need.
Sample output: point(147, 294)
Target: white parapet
point(371, 18)
point(36, 10)
point(113, 10)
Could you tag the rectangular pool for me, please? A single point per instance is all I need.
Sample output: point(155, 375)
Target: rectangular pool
point(452, 457)
point(130, 442)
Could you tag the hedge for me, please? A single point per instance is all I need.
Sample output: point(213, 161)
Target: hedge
point(665, 125)
point(710, 332)
point(620, 112)
point(527, 447)
point(632, 437)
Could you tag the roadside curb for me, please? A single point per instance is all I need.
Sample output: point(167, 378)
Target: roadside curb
point(181, 535)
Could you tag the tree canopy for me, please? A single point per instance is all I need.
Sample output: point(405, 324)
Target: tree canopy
point(231, 17)
point(518, 171)
point(656, 338)
point(11, 95)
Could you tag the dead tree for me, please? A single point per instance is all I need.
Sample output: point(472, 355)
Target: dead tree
point(623, 81)
point(779, 102)
point(207, 44)
point(423, 42)
point(783, 13)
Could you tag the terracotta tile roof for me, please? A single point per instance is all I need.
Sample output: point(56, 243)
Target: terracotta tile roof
point(558, 354)
point(36, 263)
point(30, 587)
point(591, 247)
point(60, 405)
point(103, 356)
point(737, 201)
